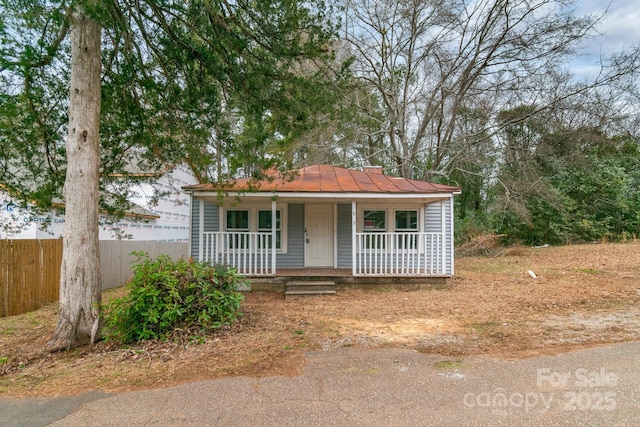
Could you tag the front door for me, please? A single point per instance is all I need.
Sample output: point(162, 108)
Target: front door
point(318, 235)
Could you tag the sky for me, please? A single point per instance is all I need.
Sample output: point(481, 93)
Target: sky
point(619, 29)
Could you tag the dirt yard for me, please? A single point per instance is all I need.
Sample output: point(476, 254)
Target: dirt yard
point(583, 295)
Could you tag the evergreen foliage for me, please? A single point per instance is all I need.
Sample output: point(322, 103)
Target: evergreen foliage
point(170, 298)
point(578, 186)
point(223, 87)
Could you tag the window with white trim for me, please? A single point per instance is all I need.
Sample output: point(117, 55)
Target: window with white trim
point(237, 223)
point(254, 219)
point(407, 220)
point(237, 220)
point(390, 227)
point(406, 226)
point(374, 222)
point(265, 226)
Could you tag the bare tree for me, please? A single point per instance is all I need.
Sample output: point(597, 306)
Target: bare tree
point(430, 61)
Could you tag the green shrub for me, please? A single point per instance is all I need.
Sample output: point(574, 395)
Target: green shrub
point(168, 297)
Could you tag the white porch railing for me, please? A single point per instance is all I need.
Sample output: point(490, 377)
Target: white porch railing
point(250, 253)
point(399, 254)
point(377, 254)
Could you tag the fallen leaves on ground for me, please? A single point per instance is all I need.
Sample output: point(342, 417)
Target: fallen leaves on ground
point(583, 295)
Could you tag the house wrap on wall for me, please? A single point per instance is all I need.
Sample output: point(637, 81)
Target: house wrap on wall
point(359, 223)
point(166, 219)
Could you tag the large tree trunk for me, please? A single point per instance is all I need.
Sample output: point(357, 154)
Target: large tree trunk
point(80, 287)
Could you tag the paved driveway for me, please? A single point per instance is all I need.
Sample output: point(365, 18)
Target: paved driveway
point(382, 387)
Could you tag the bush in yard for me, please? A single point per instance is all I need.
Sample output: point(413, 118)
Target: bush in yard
point(170, 298)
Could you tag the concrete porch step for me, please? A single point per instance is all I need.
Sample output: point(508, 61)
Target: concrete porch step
point(302, 288)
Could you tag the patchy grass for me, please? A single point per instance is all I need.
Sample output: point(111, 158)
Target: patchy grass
point(451, 364)
point(484, 327)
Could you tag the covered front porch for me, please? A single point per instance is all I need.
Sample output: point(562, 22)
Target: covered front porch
point(346, 223)
point(326, 245)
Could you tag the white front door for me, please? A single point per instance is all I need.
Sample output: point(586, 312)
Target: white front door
point(318, 235)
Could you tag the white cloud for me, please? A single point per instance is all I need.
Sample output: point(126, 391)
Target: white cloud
point(619, 29)
point(620, 26)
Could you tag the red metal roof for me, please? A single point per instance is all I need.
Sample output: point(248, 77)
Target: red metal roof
point(328, 179)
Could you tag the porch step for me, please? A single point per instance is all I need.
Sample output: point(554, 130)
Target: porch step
point(301, 288)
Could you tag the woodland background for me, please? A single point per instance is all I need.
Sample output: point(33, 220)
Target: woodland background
point(479, 94)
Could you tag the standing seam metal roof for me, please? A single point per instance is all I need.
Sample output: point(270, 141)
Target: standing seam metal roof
point(327, 179)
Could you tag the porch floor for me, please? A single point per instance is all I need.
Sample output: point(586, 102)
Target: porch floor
point(314, 272)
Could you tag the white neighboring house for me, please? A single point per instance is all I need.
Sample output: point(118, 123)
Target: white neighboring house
point(167, 220)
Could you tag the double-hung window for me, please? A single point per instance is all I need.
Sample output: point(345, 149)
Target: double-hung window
point(265, 226)
point(238, 225)
point(406, 229)
point(238, 220)
point(374, 225)
point(252, 228)
point(390, 228)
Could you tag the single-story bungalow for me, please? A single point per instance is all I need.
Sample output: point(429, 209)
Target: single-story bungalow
point(325, 221)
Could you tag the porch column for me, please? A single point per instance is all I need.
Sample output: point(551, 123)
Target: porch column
point(353, 238)
point(273, 237)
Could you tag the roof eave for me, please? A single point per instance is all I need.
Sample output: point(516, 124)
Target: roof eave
point(324, 195)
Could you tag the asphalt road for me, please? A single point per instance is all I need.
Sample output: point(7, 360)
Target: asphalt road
point(382, 387)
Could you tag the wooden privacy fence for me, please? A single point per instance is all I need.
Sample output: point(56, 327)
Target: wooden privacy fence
point(29, 274)
point(30, 269)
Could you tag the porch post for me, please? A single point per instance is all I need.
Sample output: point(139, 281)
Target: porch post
point(273, 237)
point(353, 238)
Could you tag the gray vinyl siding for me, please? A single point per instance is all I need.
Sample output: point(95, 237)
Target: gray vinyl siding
point(195, 228)
point(211, 217)
point(433, 224)
point(433, 218)
point(294, 258)
point(345, 240)
point(211, 221)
